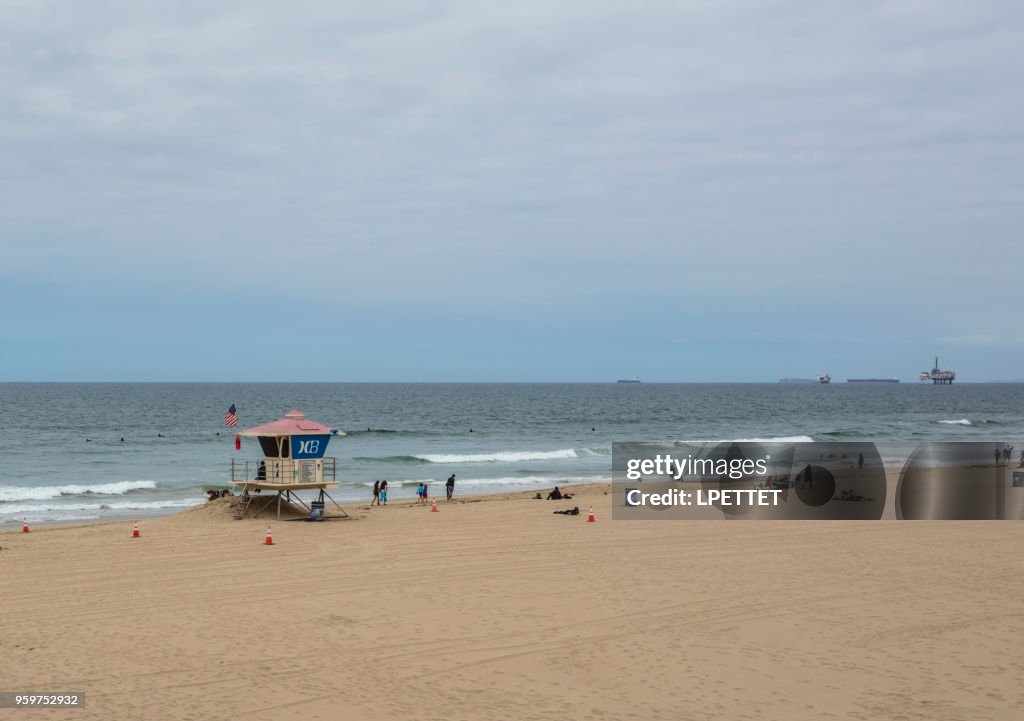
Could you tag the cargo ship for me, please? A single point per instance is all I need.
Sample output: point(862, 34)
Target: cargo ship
point(872, 380)
point(628, 380)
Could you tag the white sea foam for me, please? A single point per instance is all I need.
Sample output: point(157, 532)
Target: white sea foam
point(771, 439)
point(49, 518)
point(63, 508)
point(959, 422)
point(776, 439)
point(43, 493)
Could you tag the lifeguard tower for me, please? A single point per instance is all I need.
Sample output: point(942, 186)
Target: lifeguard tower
point(293, 449)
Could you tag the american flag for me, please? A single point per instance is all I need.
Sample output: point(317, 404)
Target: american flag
point(231, 417)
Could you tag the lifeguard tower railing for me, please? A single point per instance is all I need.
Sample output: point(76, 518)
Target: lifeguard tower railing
point(283, 471)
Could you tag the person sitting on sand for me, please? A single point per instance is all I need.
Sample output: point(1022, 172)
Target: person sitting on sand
point(851, 495)
point(212, 494)
point(555, 495)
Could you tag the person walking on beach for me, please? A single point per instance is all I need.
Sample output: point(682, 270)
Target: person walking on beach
point(449, 486)
point(376, 493)
point(860, 460)
point(998, 455)
point(383, 493)
point(1022, 459)
point(807, 478)
point(419, 492)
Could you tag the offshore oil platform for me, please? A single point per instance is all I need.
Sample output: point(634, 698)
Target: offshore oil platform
point(938, 376)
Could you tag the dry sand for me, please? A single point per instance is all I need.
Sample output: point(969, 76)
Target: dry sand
point(497, 609)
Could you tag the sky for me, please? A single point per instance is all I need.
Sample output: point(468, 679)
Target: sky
point(530, 191)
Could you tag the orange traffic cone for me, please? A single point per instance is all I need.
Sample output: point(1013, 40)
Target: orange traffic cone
point(135, 530)
point(433, 507)
point(590, 516)
point(270, 538)
point(24, 525)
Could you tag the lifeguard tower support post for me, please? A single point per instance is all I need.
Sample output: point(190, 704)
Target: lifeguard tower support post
point(293, 449)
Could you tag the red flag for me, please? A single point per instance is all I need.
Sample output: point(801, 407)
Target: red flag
point(238, 441)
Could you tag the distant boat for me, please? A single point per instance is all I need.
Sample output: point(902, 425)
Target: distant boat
point(826, 379)
point(629, 380)
point(872, 380)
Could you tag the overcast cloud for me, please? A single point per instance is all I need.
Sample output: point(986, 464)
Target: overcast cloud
point(527, 191)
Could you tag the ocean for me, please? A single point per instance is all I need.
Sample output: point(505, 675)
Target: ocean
point(64, 459)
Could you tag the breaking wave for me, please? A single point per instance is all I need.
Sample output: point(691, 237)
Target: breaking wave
point(770, 439)
point(776, 439)
point(44, 493)
point(34, 508)
point(494, 457)
point(969, 422)
point(509, 456)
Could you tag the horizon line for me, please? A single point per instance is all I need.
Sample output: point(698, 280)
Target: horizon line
point(914, 382)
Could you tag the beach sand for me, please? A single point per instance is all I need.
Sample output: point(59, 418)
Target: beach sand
point(495, 608)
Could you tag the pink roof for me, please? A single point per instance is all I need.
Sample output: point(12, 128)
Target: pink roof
point(294, 423)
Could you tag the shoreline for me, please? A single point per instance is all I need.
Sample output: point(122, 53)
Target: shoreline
point(351, 508)
point(891, 470)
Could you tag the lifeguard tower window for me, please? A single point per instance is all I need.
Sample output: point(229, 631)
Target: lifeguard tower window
point(269, 446)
